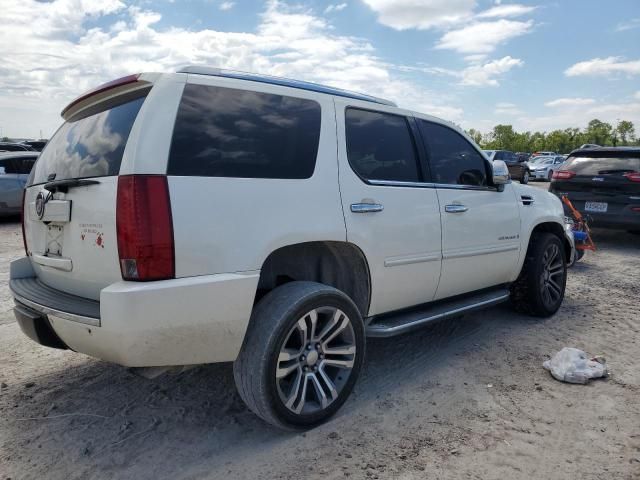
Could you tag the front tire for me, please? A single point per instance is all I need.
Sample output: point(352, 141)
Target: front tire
point(539, 289)
point(550, 175)
point(302, 354)
point(525, 177)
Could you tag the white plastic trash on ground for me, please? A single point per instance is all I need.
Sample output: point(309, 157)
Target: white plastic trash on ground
point(574, 366)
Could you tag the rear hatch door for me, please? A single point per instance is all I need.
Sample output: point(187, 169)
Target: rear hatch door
point(70, 201)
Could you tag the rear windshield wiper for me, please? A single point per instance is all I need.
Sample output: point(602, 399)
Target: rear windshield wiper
point(619, 170)
point(64, 185)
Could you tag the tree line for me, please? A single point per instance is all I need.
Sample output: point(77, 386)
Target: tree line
point(504, 137)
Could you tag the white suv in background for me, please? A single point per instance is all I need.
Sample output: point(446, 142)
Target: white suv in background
point(212, 216)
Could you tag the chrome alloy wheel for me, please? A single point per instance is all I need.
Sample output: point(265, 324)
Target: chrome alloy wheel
point(552, 276)
point(315, 360)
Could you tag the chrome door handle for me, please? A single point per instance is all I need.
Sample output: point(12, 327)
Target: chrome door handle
point(366, 207)
point(455, 208)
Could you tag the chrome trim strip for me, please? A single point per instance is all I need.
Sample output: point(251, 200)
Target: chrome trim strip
point(394, 262)
point(484, 251)
point(94, 322)
point(393, 183)
point(389, 331)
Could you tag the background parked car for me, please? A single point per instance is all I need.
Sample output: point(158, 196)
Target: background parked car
point(14, 171)
point(518, 169)
point(603, 183)
point(542, 167)
point(542, 154)
point(36, 145)
point(15, 147)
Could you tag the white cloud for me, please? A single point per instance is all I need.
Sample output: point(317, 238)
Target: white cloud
point(569, 102)
point(483, 37)
point(477, 74)
point(501, 11)
point(421, 14)
point(335, 7)
point(42, 72)
point(628, 25)
point(485, 74)
point(604, 67)
point(637, 95)
point(505, 108)
point(225, 6)
point(578, 115)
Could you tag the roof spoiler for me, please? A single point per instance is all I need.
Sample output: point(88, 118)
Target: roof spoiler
point(101, 92)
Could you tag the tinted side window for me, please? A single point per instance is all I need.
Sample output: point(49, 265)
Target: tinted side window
point(499, 156)
point(453, 159)
point(380, 146)
point(224, 132)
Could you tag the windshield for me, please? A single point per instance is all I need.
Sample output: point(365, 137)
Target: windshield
point(541, 160)
point(602, 165)
point(89, 147)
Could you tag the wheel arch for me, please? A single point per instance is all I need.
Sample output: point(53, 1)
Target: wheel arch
point(558, 230)
point(339, 264)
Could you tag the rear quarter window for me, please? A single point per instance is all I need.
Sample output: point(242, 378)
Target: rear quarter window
point(225, 132)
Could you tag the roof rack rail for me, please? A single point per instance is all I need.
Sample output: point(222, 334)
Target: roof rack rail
point(285, 82)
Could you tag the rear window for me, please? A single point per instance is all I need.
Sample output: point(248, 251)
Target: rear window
point(225, 132)
point(89, 147)
point(602, 165)
point(19, 165)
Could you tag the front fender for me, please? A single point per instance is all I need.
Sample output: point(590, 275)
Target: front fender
point(544, 213)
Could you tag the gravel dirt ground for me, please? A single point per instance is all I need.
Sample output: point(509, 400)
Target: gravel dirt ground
point(466, 398)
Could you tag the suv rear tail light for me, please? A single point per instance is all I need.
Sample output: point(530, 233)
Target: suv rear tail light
point(145, 228)
point(22, 213)
point(633, 176)
point(563, 175)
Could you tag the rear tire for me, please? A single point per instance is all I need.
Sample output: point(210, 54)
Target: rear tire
point(539, 289)
point(302, 354)
point(550, 175)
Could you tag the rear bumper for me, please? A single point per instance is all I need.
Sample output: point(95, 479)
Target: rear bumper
point(539, 174)
point(620, 222)
point(172, 322)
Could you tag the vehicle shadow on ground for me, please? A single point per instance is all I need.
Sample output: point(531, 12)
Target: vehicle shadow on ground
point(113, 417)
point(11, 219)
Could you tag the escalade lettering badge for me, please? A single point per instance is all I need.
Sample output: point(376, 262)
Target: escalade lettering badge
point(41, 201)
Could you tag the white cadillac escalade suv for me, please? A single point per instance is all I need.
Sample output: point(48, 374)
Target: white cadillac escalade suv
point(214, 216)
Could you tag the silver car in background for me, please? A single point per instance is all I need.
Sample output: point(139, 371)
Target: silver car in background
point(542, 167)
point(14, 171)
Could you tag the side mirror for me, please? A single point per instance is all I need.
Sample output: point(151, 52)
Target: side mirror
point(500, 174)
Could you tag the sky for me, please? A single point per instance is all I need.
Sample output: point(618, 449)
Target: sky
point(533, 64)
